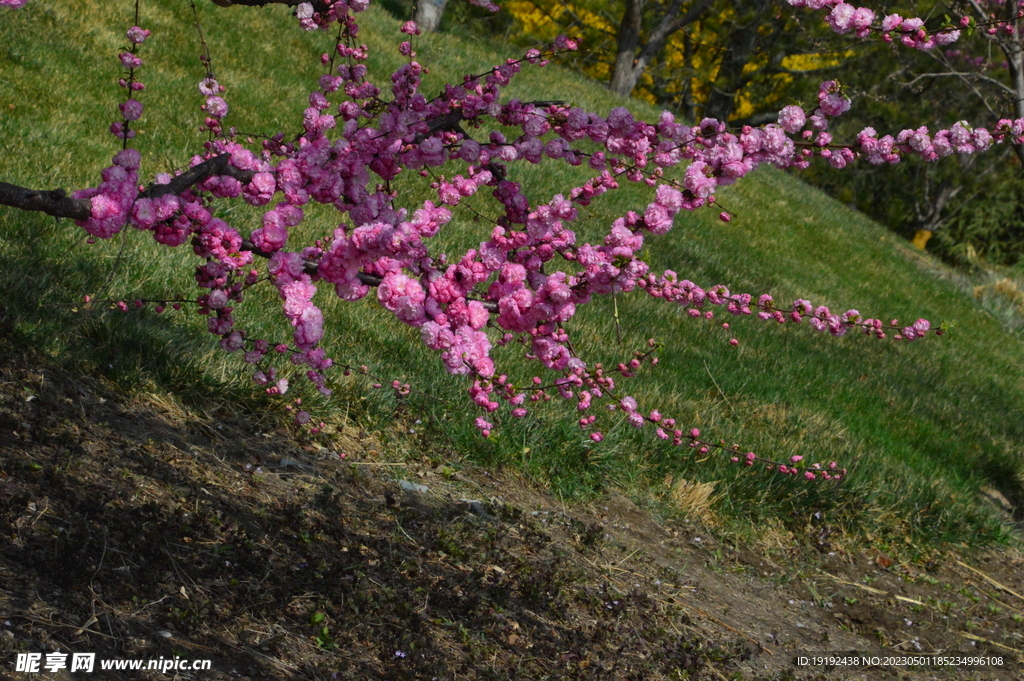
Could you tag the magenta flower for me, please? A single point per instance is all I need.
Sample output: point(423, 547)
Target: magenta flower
point(131, 109)
point(209, 87)
point(216, 107)
point(792, 119)
point(137, 35)
point(129, 60)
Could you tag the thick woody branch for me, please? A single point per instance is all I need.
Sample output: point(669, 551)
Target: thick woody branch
point(57, 203)
point(218, 165)
point(53, 202)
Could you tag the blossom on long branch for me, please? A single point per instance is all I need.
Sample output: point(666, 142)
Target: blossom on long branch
point(349, 152)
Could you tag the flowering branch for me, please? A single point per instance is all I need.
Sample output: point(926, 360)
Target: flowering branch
point(53, 202)
point(352, 149)
point(57, 203)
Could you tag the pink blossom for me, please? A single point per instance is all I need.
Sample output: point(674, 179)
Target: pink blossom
point(697, 180)
point(309, 327)
point(841, 17)
point(137, 35)
point(209, 87)
point(131, 109)
point(792, 119)
point(831, 100)
point(891, 21)
point(863, 17)
point(129, 60)
point(216, 107)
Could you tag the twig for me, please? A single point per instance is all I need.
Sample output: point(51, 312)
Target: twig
point(629, 556)
point(990, 642)
point(990, 580)
point(373, 463)
point(708, 369)
point(877, 592)
point(715, 670)
point(65, 626)
point(102, 556)
point(723, 624)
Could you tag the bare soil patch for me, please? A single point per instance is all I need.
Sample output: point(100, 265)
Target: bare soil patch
point(135, 529)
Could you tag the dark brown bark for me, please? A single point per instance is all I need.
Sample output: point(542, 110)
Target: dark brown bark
point(218, 165)
point(56, 202)
point(53, 202)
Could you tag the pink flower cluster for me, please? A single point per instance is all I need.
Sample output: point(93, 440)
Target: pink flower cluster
point(844, 17)
point(960, 138)
point(297, 290)
point(112, 200)
point(214, 106)
point(913, 34)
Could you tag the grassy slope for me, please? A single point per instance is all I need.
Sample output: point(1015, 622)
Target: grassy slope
point(926, 424)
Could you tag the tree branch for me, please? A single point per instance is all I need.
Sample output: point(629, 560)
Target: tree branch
point(318, 5)
point(964, 75)
point(218, 165)
point(56, 202)
point(670, 24)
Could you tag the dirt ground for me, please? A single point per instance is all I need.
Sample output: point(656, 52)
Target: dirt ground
point(134, 529)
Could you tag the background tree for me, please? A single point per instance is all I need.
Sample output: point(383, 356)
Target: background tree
point(428, 14)
point(635, 50)
point(972, 80)
point(742, 61)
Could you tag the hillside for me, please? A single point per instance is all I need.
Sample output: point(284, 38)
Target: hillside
point(137, 529)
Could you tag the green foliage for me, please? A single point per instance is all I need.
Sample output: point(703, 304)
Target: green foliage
point(989, 226)
point(972, 203)
point(471, 22)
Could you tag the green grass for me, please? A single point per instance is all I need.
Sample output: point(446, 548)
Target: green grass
point(924, 425)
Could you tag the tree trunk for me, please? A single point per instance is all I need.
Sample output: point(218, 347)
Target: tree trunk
point(428, 14)
point(742, 43)
point(629, 65)
point(623, 80)
point(1014, 51)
